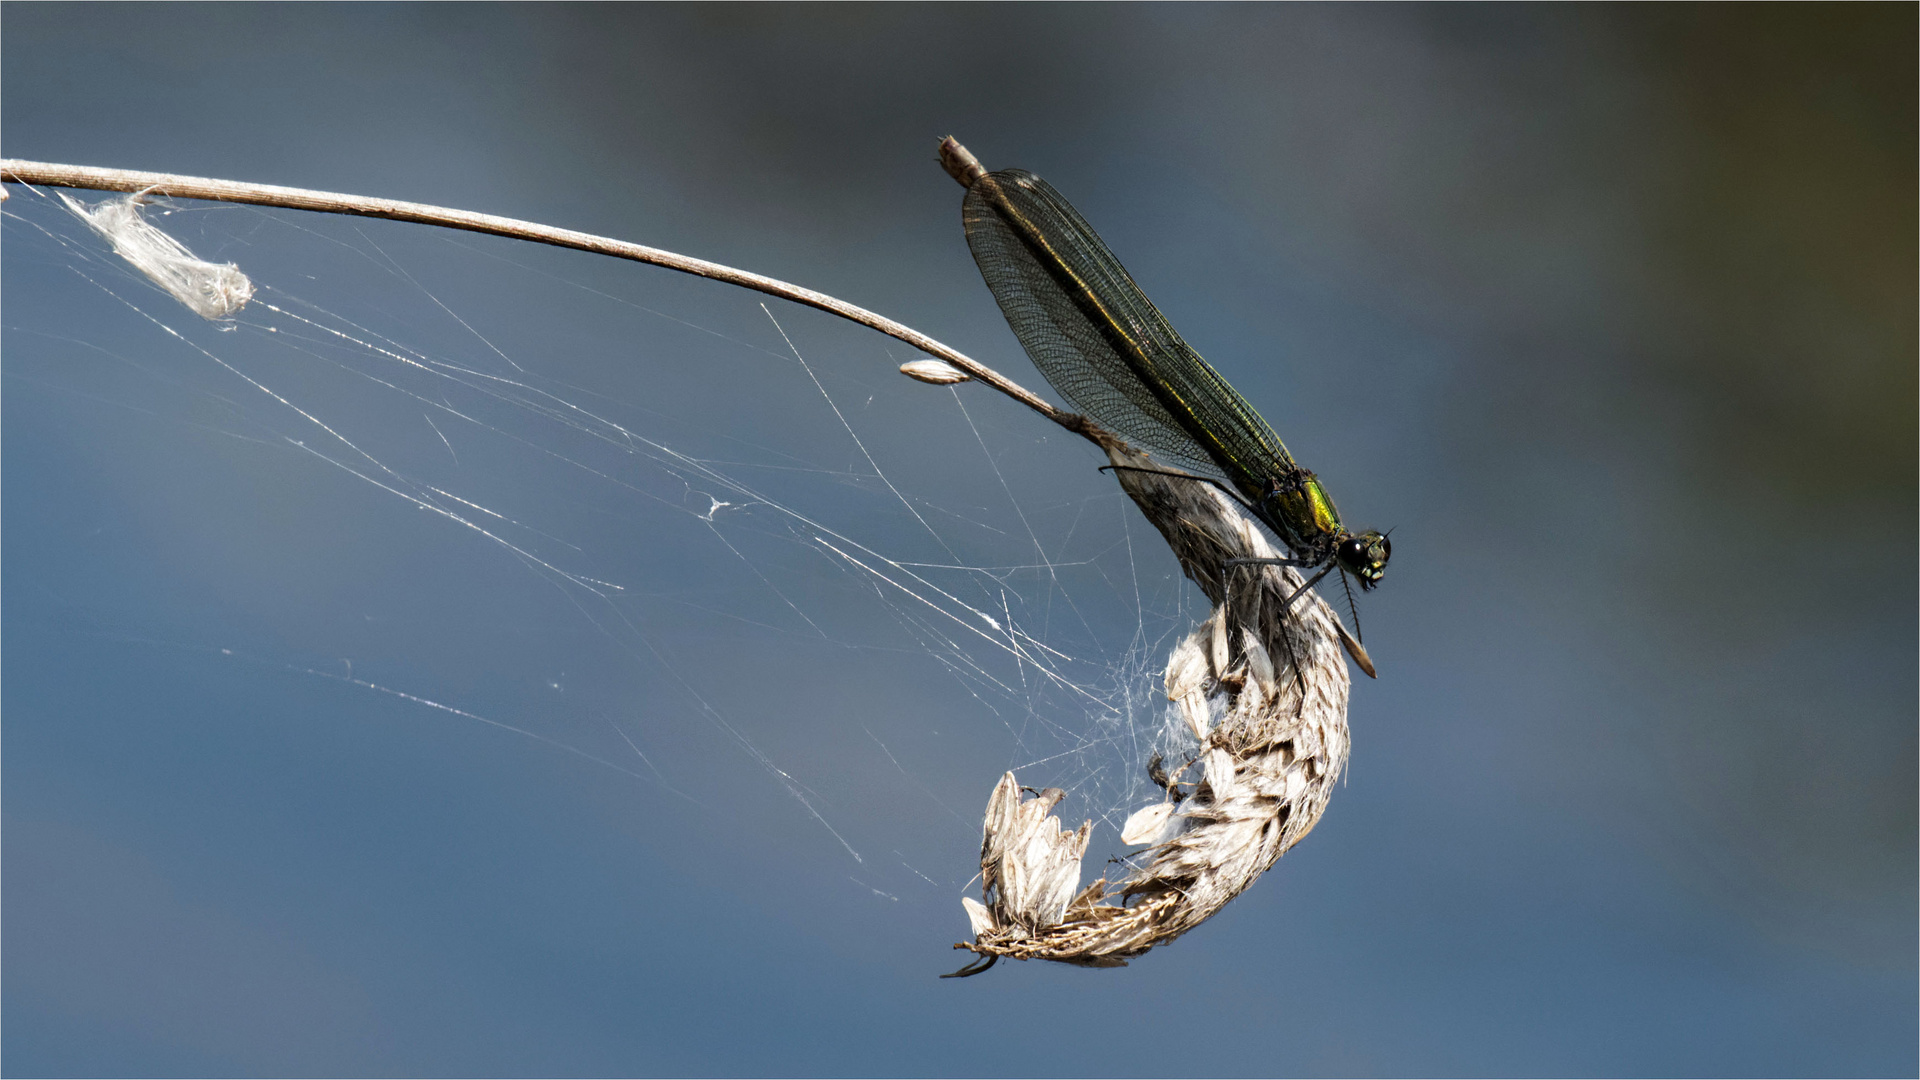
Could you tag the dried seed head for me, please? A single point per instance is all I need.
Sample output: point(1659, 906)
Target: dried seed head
point(1273, 744)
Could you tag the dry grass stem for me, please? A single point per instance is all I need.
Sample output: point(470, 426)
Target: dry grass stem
point(329, 202)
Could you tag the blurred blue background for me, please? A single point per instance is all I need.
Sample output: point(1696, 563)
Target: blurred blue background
point(1608, 311)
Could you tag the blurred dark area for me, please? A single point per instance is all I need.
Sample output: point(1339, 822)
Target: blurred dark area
point(1609, 311)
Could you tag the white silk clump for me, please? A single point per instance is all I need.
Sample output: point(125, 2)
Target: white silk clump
point(211, 290)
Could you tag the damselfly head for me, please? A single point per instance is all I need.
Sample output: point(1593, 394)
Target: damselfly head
point(1364, 555)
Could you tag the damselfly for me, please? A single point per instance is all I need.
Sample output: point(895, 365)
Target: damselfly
point(1105, 347)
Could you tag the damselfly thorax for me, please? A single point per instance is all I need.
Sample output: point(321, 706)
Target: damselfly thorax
point(1301, 513)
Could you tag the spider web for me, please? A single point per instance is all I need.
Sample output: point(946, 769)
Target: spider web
point(714, 544)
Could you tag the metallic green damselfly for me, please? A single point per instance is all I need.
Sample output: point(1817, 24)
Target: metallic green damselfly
point(1105, 347)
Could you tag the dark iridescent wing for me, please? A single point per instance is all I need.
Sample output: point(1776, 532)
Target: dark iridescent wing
point(1100, 341)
